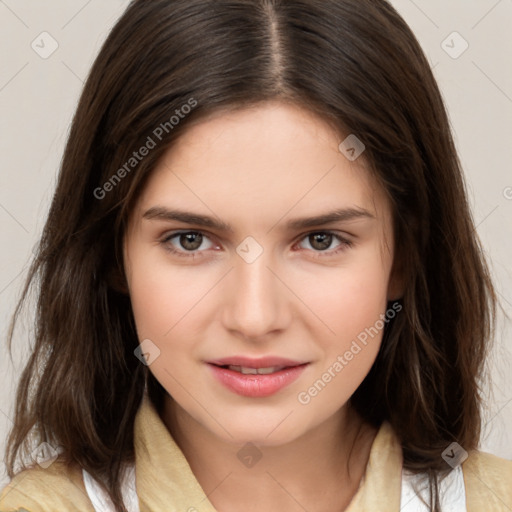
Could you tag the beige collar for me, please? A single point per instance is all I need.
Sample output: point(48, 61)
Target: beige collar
point(165, 480)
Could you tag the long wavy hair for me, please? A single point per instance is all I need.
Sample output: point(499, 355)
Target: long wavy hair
point(168, 64)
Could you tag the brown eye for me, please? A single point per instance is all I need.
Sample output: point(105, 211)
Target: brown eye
point(187, 243)
point(320, 241)
point(191, 241)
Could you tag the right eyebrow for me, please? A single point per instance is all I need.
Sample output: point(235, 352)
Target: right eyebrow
point(161, 213)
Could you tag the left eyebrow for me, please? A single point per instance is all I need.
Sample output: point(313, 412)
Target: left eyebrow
point(340, 215)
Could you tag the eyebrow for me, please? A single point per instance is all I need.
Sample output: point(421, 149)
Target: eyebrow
point(339, 215)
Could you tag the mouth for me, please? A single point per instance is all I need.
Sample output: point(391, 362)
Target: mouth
point(265, 362)
point(246, 370)
point(256, 378)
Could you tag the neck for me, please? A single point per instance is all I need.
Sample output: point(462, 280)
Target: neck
point(319, 471)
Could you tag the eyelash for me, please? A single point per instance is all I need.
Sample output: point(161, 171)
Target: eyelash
point(345, 244)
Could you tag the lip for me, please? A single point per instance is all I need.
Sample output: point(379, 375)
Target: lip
point(260, 362)
point(256, 385)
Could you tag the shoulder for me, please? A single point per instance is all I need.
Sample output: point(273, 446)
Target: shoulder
point(488, 482)
point(38, 489)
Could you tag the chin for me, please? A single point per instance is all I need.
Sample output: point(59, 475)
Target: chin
point(271, 431)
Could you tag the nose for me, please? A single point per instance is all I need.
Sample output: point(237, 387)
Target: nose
point(257, 303)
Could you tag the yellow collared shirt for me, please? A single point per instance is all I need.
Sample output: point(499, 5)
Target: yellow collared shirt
point(165, 482)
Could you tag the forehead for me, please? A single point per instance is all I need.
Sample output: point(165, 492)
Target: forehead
point(263, 160)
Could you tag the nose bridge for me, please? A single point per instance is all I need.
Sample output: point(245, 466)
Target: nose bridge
point(257, 300)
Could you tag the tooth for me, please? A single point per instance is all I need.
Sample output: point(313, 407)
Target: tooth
point(255, 371)
point(266, 371)
point(249, 371)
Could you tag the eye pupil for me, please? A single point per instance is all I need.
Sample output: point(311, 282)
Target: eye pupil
point(191, 241)
point(324, 239)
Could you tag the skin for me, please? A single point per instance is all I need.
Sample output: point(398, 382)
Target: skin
point(256, 169)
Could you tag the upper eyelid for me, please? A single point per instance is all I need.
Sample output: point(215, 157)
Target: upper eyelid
point(170, 235)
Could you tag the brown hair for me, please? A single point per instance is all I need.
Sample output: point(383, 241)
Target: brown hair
point(356, 64)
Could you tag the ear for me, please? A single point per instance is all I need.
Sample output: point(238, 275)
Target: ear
point(396, 284)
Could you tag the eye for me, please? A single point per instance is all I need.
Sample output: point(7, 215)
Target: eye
point(321, 241)
point(187, 243)
point(190, 244)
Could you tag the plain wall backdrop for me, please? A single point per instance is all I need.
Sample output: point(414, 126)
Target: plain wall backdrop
point(48, 47)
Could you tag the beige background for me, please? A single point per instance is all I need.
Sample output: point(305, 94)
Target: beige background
point(38, 96)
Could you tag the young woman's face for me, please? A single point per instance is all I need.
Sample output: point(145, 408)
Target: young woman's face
point(228, 273)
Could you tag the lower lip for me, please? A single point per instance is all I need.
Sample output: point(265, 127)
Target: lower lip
point(257, 385)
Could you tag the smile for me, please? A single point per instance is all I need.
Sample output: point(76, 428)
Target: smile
point(255, 371)
point(256, 382)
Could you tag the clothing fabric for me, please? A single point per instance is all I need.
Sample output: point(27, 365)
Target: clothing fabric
point(162, 480)
point(453, 494)
point(102, 502)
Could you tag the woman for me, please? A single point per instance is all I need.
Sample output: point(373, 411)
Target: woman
point(260, 284)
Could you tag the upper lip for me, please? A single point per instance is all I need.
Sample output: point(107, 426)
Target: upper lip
point(262, 362)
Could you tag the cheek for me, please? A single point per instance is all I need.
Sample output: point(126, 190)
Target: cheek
point(352, 308)
point(348, 299)
point(162, 297)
